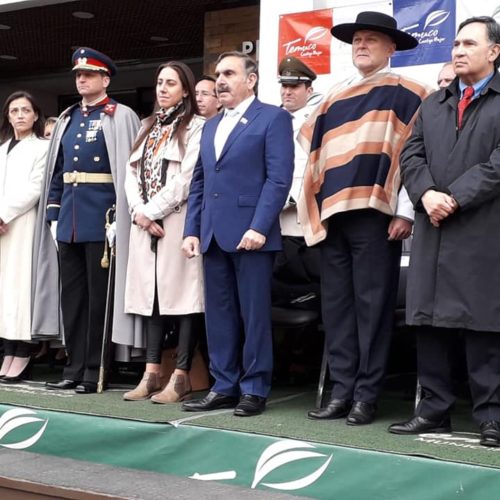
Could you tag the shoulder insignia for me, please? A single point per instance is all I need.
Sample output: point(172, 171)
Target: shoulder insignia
point(110, 109)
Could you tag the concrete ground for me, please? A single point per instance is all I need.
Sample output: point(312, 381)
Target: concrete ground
point(26, 475)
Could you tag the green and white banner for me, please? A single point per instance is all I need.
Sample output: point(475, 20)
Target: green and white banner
point(254, 461)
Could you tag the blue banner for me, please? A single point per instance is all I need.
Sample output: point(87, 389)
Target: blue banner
point(432, 23)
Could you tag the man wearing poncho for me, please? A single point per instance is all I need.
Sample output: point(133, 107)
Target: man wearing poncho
point(352, 202)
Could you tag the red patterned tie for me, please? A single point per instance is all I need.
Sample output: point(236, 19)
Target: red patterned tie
point(463, 103)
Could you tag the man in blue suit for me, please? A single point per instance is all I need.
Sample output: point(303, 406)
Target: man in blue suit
point(239, 186)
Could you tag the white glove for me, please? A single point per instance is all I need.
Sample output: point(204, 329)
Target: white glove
point(53, 231)
point(111, 234)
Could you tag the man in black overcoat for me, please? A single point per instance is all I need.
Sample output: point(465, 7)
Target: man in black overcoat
point(451, 169)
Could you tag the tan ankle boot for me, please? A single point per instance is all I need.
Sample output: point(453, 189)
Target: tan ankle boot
point(177, 389)
point(149, 385)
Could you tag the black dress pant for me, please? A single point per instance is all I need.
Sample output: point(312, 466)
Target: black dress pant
point(83, 304)
point(359, 282)
point(434, 369)
point(17, 348)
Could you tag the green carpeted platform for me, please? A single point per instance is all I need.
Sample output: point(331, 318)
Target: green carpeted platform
point(285, 417)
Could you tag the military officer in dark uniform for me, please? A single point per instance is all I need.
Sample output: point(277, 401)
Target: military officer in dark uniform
point(81, 190)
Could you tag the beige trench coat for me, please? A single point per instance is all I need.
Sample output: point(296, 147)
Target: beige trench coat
point(21, 174)
point(179, 280)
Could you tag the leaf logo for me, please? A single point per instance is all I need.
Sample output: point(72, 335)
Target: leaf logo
point(408, 28)
point(315, 34)
point(284, 452)
point(13, 419)
point(215, 476)
point(436, 17)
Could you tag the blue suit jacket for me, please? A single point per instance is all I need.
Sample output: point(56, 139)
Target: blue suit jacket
point(248, 185)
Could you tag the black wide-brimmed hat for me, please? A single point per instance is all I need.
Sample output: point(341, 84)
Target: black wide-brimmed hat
point(375, 21)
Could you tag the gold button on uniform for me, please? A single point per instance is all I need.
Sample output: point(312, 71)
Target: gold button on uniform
point(97, 158)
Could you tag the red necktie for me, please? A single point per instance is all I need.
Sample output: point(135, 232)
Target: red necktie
point(463, 103)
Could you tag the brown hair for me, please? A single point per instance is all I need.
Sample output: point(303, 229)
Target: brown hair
point(190, 106)
point(6, 130)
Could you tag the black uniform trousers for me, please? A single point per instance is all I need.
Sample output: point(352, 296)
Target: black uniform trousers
point(435, 355)
point(83, 304)
point(359, 282)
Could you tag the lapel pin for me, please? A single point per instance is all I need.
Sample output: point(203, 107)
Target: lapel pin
point(244, 121)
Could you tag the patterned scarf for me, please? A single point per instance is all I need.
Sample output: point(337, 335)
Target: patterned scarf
point(153, 170)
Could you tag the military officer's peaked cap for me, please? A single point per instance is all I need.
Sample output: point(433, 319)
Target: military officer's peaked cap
point(86, 59)
point(293, 71)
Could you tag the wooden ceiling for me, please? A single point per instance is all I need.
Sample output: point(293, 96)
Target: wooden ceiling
point(42, 39)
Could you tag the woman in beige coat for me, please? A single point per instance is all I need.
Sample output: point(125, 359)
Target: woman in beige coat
point(161, 282)
point(22, 161)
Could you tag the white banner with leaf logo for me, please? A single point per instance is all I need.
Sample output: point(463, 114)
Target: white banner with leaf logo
point(298, 28)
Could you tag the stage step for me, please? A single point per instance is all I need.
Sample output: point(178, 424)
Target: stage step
point(26, 476)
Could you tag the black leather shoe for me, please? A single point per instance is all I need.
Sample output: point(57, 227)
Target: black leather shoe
point(250, 405)
point(62, 385)
point(490, 434)
point(212, 401)
point(86, 388)
point(337, 408)
point(361, 413)
point(419, 425)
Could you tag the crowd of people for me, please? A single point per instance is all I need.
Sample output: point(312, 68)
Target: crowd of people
point(208, 188)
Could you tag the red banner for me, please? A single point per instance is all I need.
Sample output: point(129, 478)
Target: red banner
point(306, 36)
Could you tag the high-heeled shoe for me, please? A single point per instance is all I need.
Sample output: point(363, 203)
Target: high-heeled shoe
point(24, 375)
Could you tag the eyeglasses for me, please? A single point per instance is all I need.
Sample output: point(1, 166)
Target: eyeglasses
point(204, 93)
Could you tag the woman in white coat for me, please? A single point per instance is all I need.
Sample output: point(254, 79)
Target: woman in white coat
point(160, 281)
point(22, 161)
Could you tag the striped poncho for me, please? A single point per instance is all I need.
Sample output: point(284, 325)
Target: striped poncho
point(354, 139)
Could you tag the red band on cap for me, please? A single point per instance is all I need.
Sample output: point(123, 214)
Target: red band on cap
point(88, 62)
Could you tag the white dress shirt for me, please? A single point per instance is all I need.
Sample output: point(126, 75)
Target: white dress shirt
point(228, 122)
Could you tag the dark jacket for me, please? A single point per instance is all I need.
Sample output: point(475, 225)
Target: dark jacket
point(80, 209)
point(454, 276)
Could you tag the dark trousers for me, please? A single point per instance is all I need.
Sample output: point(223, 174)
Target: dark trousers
point(17, 348)
point(435, 361)
point(238, 320)
point(359, 281)
point(83, 304)
point(188, 338)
